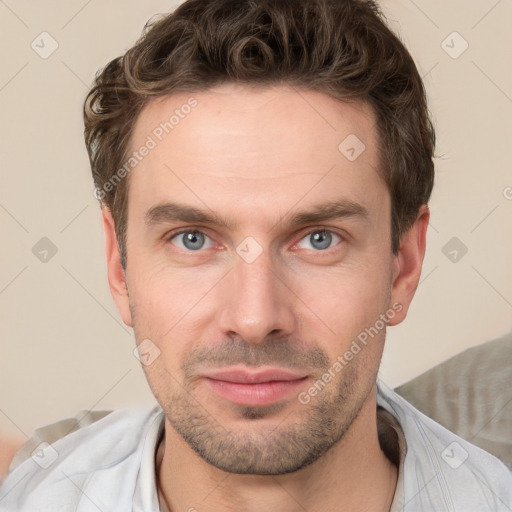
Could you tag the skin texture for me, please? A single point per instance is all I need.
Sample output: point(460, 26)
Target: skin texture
point(256, 157)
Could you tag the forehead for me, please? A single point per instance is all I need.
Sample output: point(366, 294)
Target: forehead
point(235, 146)
point(280, 117)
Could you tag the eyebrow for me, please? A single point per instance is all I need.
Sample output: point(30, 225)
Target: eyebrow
point(172, 211)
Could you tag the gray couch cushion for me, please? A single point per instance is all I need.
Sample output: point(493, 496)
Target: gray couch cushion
point(471, 395)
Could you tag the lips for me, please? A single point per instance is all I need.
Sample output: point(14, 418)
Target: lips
point(257, 387)
point(254, 377)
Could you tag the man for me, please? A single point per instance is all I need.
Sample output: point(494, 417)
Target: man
point(264, 170)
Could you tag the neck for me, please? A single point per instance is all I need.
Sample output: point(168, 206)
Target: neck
point(353, 475)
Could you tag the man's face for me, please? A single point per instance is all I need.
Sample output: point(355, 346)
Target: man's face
point(259, 291)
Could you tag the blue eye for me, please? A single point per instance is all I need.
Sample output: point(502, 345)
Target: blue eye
point(191, 240)
point(320, 239)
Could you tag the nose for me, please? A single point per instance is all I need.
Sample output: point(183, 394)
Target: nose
point(256, 301)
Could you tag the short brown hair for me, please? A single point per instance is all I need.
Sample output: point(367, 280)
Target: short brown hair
point(342, 48)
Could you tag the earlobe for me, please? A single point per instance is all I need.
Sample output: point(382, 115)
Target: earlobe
point(115, 271)
point(408, 263)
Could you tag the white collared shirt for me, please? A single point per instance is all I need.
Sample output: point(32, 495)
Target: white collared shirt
point(110, 465)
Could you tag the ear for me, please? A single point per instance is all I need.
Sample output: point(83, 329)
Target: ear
point(116, 275)
point(407, 264)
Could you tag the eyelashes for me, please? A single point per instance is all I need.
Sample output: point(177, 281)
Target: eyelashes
point(198, 241)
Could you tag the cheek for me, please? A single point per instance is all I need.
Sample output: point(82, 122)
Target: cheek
point(347, 298)
point(163, 296)
point(168, 309)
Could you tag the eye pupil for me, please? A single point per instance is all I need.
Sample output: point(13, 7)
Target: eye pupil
point(191, 239)
point(321, 238)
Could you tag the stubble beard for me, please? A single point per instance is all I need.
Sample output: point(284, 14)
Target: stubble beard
point(263, 447)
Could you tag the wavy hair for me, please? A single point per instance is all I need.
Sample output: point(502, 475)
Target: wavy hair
point(342, 48)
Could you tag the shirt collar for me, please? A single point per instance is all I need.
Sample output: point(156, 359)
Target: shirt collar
point(148, 498)
point(145, 497)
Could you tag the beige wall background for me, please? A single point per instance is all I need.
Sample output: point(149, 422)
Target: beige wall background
point(63, 345)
